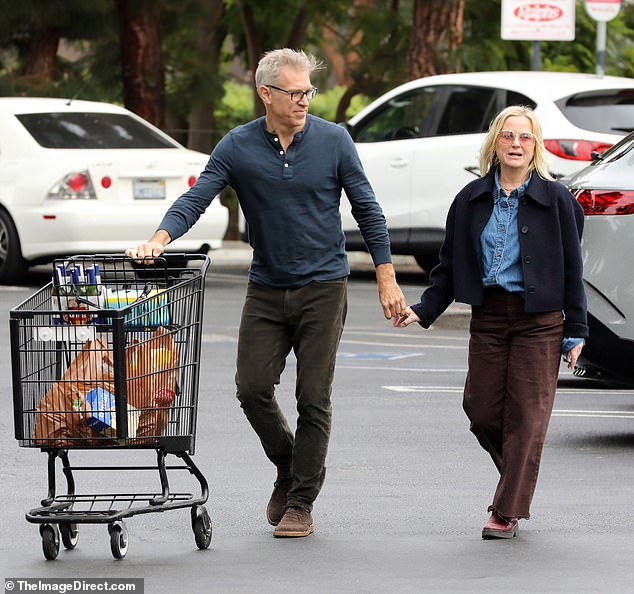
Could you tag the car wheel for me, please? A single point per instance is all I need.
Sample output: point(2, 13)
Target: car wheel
point(12, 265)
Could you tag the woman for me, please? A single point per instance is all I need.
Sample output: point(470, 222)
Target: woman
point(512, 251)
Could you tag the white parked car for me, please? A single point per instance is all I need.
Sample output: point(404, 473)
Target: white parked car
point(83, 177)
point(420, 142)
point(605, 189)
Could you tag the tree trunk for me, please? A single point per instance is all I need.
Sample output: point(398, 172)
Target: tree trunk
point(255, 45)
point(210, 36)
point(299, 29)
point(344, 102)
point(142, 59)
point(40, 59)
point(436, 35)
point(254, 52)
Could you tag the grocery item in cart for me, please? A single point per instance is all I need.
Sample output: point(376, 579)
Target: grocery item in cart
point(101, 413)
point(152, 376)
point(80, 408)
point(61, 414)
point(76, 289)
point(149, 305)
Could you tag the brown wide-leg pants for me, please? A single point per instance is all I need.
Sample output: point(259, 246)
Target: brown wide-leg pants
point(510, 391)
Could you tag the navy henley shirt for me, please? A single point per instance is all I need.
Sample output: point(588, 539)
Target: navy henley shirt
point(290, 200)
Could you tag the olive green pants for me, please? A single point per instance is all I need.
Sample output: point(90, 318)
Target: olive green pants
point(309, 320)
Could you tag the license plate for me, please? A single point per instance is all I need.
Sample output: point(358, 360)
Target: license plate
point(149, 189)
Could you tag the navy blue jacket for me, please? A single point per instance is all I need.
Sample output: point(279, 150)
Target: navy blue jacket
point(550, 224)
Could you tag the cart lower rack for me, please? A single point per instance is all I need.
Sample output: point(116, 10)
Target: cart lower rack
point(107, 357)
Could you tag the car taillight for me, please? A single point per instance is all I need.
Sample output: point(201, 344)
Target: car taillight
point(577, 150)
point(605, 202)
point(73, 186)
point(191, 181)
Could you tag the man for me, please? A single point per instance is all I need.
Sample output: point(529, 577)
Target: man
point(288, 169)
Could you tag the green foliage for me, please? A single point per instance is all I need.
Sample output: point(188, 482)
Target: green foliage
point(77, 79)
point(187, 73)
point(273, 20)
point(86, 26)
point(378, 34)
point(235, 107)
point(77, 19)
point(325, 104)
point(483, 49)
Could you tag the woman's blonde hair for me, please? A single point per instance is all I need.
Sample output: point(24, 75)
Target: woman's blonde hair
point(488, 157)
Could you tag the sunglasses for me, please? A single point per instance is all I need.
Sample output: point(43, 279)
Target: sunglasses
point(525, 138)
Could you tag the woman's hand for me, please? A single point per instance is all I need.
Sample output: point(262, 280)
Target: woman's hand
point(405, 319)
point(572, 355)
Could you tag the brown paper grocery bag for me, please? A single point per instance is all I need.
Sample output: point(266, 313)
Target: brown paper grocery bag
point(152, 372)
point(61, 416)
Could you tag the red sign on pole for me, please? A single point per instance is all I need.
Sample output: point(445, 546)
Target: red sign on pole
point(603, 10)
point(552, 20)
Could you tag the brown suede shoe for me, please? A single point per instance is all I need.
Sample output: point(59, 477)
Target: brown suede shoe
point(500, 527)
point(277, 504)
point(296, 522)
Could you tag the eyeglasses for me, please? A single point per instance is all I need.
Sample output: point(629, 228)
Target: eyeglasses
point(508, 137)
point(296, 96)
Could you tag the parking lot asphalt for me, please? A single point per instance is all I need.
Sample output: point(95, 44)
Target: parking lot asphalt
point(407, 485)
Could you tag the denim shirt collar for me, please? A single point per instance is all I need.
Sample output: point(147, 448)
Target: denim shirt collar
point(498, 190)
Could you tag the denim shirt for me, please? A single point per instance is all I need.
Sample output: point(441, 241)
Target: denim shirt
point(500, 242)
point(500, 246)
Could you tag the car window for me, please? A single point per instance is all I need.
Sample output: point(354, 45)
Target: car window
point(606, 111)
point(513, 98)
point(400, 117)
point(91, 131)
point(467, 110)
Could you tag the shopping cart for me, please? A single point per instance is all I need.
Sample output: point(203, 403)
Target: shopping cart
point(107, 357)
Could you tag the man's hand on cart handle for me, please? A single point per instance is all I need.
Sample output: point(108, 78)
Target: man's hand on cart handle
point(150, 249)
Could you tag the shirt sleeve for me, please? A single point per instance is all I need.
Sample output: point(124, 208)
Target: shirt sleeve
point(365, 209)
point(567, 344)
point(189, 207)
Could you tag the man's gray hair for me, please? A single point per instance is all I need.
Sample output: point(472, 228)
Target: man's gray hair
point(268, 70)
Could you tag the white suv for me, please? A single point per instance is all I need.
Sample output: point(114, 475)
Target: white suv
point(420, 142)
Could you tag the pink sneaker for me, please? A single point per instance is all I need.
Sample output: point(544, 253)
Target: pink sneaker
point(500, 527)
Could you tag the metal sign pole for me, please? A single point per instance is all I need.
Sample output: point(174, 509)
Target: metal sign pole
point(602, 11)
point(536, 57)
point(602, 28)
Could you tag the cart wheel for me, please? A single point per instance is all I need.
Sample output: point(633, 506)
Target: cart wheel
point(50, 541)
point(201, 525)
point(70, 534)
point(118, 539)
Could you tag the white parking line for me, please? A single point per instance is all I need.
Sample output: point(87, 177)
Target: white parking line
point(383, 369)
point(423, 389)
point(403, 345)
point(595, 414)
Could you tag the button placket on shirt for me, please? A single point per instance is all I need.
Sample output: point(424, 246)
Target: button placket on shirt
point(501, 235)
point(287, 168)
